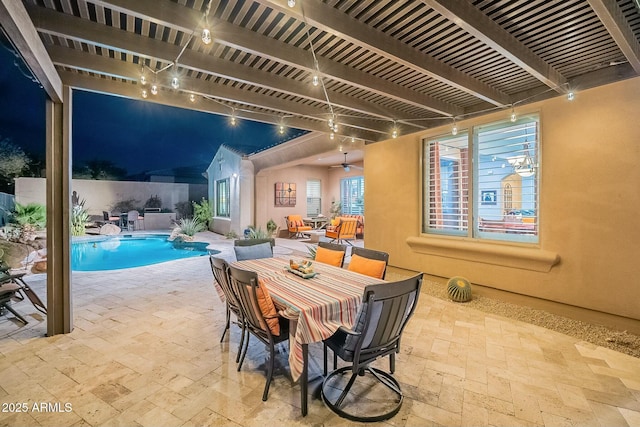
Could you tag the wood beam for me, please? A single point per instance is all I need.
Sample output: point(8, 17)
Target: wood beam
point(18, 26)
point(172, 98)
point(329, 19)
point(614, 21)
point(469, 18)
point(186, 19)
point(67, 26)
point(121, 70)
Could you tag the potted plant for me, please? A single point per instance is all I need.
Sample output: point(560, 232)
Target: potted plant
point(271, 227)
point(258, 235)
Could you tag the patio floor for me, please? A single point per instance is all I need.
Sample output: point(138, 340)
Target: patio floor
point(145, 351)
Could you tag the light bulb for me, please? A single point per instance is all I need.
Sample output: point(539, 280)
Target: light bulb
point(353, 139)
point(394, 134)
point(206, 36)
point(315, 80)
point(144, 93)
point(143, 79)
point(513, 117)
point(175, 83)
point(340, 148)
point(331, 123)
point(233, 120)
point(332, 135)
point(192, 98)
point(281, 129)
point(454, 130)
point(335, 127)
point(154, 89)
point(291, 3)
point(571, 96)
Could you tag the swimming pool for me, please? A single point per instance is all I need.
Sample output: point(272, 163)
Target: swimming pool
point(126, 251)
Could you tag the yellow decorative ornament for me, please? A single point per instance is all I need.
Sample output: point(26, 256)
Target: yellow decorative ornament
point(459, 289)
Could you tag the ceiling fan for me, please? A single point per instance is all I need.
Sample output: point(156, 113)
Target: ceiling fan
point(346, 166)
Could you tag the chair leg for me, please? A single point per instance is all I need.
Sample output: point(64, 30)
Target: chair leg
point(243, 327)
point(392, 363)
point(272, 356)
point(244, 351)
point(15, 313)
point(226, 325)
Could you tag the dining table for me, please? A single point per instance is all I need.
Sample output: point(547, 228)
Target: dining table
point(316, 307)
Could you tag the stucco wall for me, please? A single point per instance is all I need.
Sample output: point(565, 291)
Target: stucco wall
point(102, 195)
point(589, 203)
point(266, 179)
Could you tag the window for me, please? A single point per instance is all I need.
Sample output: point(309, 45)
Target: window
point(222, 198)
point(503, 161)
point(314, 199)
point(352, 195)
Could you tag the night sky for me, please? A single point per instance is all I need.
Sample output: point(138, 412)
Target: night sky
point(133, 134)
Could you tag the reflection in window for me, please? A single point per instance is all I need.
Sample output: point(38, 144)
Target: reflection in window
point(505, 167)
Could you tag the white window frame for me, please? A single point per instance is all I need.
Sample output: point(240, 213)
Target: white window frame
point(352, 190)
point(503, 168)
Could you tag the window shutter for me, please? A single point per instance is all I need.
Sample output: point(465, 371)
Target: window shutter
point(314, 197)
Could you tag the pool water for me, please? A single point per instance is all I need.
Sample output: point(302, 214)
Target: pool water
point(117, 252)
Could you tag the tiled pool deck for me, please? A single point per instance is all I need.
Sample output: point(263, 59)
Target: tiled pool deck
point(145, 351)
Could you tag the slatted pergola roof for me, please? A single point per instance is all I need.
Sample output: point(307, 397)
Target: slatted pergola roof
point(411, 64)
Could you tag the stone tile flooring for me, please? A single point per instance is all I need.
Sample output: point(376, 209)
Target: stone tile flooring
point(145, 351)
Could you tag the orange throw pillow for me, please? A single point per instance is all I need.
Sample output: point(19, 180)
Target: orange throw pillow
point(370, 267)
point(267, 308)
point(328, 256)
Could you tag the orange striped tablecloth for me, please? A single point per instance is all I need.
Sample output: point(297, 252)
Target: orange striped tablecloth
point(320, 305)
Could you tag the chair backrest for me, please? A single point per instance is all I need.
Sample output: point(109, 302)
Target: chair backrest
point(219, 267)
point(332, 260)
point(257, 251)
point(383, 315)
point(294, 221)
point(372, 255)
point(347, 228)
point(132, 216)
point(247, 287)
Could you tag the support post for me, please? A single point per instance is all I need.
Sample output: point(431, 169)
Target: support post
point(59, 301)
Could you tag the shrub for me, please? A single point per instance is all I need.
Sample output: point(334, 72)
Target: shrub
point(153, 202)
point(203, 212)
point(79, 219)
point(126, 206)
point(190, 226)
point(258, 233)
point(184, 209)
point(33, 214)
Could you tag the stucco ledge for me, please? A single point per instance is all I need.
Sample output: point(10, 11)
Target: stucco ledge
point(524, 258)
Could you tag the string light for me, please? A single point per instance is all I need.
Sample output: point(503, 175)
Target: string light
point(281, 129)
point(454, 129)
point(513, 116)
point(291, 3)
point(394, 131)
point(192, 98)
point(144, 93)
point(175, 83)
point(206, 33)
point(206, 36)
point(315, 80)
point(154, 89)
point(332, 135)
point(571, 96)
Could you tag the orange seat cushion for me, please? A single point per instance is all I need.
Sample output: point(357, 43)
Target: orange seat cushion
point(370, 267)
point(328, 256)
point(267, 308)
